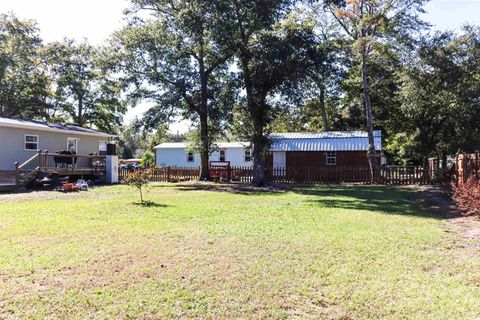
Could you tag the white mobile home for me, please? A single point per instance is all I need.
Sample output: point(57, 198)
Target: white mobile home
point(177, 154)
point(21, 139)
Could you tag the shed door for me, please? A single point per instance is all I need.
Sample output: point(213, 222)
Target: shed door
point(279, 163)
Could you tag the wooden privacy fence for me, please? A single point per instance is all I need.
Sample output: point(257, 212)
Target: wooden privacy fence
point(333, 174)
point(392, 175)
point(468, 165)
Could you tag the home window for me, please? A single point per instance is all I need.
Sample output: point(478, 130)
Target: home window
point(331, 158)
point(31, 142)
point(72, 145)
point(190, 157)
point(223, 155)
point(102, 147)
point(247, 154)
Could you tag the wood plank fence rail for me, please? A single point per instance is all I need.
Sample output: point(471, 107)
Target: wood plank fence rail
point(407, 175)
point(391, 175)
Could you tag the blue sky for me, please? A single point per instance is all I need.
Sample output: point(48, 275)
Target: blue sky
point(97, 19)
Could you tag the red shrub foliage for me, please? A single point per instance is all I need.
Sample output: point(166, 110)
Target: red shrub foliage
point(467, 196)
point(138, 179)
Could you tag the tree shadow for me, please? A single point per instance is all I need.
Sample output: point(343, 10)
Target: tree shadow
point(236, 188)
point(382, 199)
point(150, 204)
point(397, 200)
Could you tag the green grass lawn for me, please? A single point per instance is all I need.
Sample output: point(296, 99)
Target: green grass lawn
point(332, 252)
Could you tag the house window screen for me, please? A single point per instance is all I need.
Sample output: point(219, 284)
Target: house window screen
point(248, 155)
point(31, 142)
point(72, 145)
point(223, 155)
point(102, 148)
point(331, 158)
point(190, 157)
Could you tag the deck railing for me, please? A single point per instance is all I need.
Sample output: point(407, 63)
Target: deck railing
point(65, 164)
point(73, 163)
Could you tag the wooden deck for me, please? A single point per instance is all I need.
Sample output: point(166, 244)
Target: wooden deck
point(72, 171)
point(7, 181)
point(44, 163)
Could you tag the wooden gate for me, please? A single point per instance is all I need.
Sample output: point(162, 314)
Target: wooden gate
point(220, 170)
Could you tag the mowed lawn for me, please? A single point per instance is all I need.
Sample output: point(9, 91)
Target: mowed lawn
point(326, 252)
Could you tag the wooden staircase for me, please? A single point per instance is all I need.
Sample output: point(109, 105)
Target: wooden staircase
point(27, 171)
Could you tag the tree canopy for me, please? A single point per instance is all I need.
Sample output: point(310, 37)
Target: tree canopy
point(246, 68)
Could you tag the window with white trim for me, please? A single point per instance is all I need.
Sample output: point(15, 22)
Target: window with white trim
point(102, 147)
point(72, 145)
point(247, 154)
point(222, 155)
point(190, 156)
point(331, 158)
point(31, 142)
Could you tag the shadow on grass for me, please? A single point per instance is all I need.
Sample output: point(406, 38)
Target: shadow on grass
point(382, 199)
point(150, 204)
point(236, 188)
point(376, 198)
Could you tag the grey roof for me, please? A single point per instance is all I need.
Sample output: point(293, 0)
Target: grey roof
point(46, 126)
point(324, 141)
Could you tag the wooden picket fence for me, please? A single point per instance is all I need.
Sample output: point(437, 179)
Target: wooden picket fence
point(407, 175)
point(391, 175)
point(166, 174)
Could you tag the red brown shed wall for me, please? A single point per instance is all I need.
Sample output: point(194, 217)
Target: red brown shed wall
point(316, 159)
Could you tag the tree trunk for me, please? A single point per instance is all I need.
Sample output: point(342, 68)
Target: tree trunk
point(259, 147)
point(203, 113)
point(372, 160)
point(205, 148)
point(322, 108)
point(255, 106)
point(444, 163)
point(80, 111)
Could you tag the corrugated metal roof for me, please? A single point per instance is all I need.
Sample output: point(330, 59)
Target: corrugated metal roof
point(183, 145)
point(324, 135)
point(43, 125)
point(324, 141)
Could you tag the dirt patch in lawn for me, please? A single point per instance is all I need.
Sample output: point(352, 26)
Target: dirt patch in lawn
point(45, 195)
point(437, 200)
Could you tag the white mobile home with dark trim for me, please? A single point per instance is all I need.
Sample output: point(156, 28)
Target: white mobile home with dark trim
point(178, 155)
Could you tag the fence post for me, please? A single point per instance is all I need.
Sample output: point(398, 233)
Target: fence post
point(168, 174)
point(39, 158)
point(45, 163)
